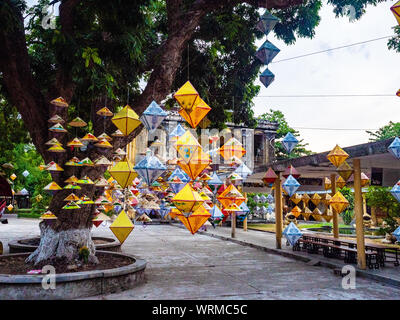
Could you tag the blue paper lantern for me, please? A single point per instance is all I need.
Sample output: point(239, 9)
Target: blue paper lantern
point(215, 180)
point(267, 52)
point(216, 214)
point(153, 116)
point(270, 209)
point(267, 77)
point(292, 233)
point(243, 170)
point(177, 132)
point(289, 142)
point(270, 199)
point(178, 173)
point(396, 233)
point(150, 168)
point(290, 185)
point(395, 191)
point(394, 148)
point(267, 22)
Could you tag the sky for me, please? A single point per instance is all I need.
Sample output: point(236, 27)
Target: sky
point(362, 69)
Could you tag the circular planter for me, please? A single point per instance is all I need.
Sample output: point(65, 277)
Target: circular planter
point(31, 244)
point(73, 285)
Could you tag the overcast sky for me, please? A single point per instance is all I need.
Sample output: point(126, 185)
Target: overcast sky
point(362, 69)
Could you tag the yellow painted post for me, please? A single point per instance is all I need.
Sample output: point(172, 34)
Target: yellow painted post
point(335, 222)
point(358, 211)
point(278, 211)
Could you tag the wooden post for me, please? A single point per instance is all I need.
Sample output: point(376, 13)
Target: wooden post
point(335, 222)
point(278, 211)
point(358, 210)
point(373, 216)
point(233, 224)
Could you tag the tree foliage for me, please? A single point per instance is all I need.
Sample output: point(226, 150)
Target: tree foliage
point(283, 129)
point(390, 130)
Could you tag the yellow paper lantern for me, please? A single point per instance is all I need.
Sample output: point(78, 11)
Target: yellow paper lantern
point(345, 171)
point(187, 146)
point(337, 156)
point(338, 202)
point(296, 211)
point(187, 96)
point(126, 120)
point(316, 199)
point(13, 177)
point(296, 198)
point(327, 183)
point(122, 227)
point(232, 148)
point(340, 183)
point(196, 114)
point(231, 195)
point(194, 222)
point(306, 213)
point(200, 161)
point(123, 173)
point(396, 11)
point(187, 200)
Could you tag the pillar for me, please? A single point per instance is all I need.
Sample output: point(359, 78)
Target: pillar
point(245, 220)
point(358, 211)
point(278, 211)
point(233, 224)
point(335, 222)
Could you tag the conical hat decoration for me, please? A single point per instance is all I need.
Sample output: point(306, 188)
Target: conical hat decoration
point(117, 133)
point(396, 11)
point(123, 172)
point(76, 143)
point(85, 200)
point(187, 96)
point(296, 211)
point(59, 102)
point(102, 161)
point(89, 138)
point(198, 163)
point(296, 198)
point(105, 112)
point(85, 180)
point(122, 227)
point(71, 206)
point(104, 136)
point(53, 141)
point(345, 171)
point(194, 222)
point(196, 114)
point(56, 119)
point(72, 186)
point(71, 179)
point(71, 197)
point(56, 148)
point(187, 200)
point(86, 162)
point(52, 186)
point(232, 148)
point(126, 120)
point(74, 162)
point(153, 116)
point(103, 143)
point(340, 183)
point(120, 152)
point(99, 219)
point(101, 182)
point(231, 195)
point(48, 215)
point(54, 167)
point(338, 202)
point(57, 128)
point(77, 122)
point(337, 156)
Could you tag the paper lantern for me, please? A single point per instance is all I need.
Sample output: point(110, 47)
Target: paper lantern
point(267, 77)
point(10, 207)
point(291, 171)
point(231, 195)
point(123, 172)
point(395, 191)
point(178, 179)
point(38, 198)
point(296, 211)
point(327, 183)
point(197, 164)
point(89, 138)
point(326, 198)
point(340, 183)
point(72, 186)
point(194, 222)
point(103, 143)
point(122, 227)
point(338, 202)
point(150, 168)
point(345, 171)
point(396, 233)
point(176, 132)
point(187, 200)
point(126, 120)
point(305, 198)
point(292, 233)
point(289, 142)
point(117, 133)
point(269, 177)
point(398, 93)
point(337, 156)
point(52, 187)
point(13, 177)
point(187, 145)
point(59, 102)
point(216, 214)
point(72, 205)
point(267, 52)
point(270, 199)
point(153, 116)
point(196, 114)
point(99, 219)
point(52, 142)
point(104, 136)
point(396, 11)
point(296, 198)
point(25, 173)
point(290, 185)
point(394, 148)
point(232, 148)
point(267, 22)
point(77, 122)
point(187, 96)
point(105, 112)
point(102, 161)
point(243, 170)
point(306, 213)
point(87, 162)
point(71, 197)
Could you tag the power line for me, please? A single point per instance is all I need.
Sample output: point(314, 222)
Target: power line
point(327, 95)
point(335, 129)
point(331, 49)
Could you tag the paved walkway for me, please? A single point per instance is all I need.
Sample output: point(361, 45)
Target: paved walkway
point(182, 266)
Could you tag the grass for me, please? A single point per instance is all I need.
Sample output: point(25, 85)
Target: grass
point(26, 213)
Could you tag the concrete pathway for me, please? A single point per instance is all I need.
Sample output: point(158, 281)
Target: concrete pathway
point(182, 266)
